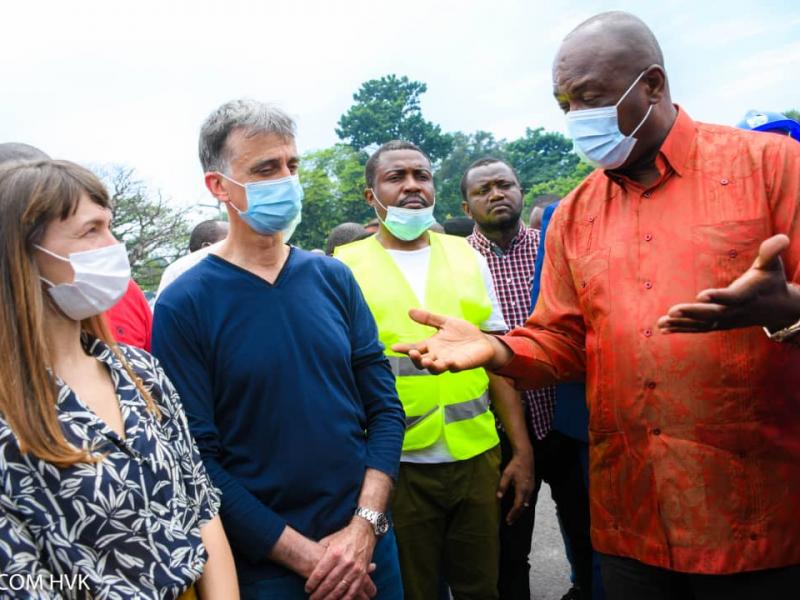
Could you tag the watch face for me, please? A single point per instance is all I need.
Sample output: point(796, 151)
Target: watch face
point(382, 525)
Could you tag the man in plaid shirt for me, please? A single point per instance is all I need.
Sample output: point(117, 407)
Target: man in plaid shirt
point(492, 197)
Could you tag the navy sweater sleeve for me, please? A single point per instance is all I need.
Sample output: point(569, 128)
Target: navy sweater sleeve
point(252, 528)
point(376, 386)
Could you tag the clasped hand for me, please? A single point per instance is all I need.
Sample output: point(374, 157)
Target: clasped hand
point(342, 572)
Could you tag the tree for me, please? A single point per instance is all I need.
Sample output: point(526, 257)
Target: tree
point(333, 186)
point(560, 186)
point(793, 114)
point(389, 108)
point(466, 149)
point(153, 230)
point(541, 156)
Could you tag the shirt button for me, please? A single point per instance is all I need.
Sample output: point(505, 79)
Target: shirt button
point(648, 284)
point(648, 332)
point(648, 237)
point(724, 181)
point(591, 219)
point(656, 431)
point(647, 194)
point(733, 253)
point(651, 385)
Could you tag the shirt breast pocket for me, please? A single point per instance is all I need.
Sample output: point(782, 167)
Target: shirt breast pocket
point(723, 251)
point(590, 275)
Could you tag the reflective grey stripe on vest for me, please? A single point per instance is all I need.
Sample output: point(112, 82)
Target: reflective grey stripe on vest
point(466, 410)
point(411, 421)
point(402, 366)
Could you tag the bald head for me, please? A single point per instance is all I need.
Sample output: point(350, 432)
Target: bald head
point(612, 47)
point(606, 53)
point(620, 37)
point(12, 151)
point(613, 59)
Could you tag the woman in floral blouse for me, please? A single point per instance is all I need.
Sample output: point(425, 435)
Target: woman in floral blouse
point(102, 491)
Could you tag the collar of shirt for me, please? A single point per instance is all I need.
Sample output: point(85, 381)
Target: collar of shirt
point(132, 406)
point(673, 154)
point(485, 245)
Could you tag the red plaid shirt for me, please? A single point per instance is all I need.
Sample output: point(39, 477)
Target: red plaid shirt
point(512, 274)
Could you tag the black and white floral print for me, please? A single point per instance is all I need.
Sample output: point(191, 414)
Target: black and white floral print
point(124, 527)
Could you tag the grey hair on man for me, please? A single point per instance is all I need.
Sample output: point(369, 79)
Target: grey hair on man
point(251, 116)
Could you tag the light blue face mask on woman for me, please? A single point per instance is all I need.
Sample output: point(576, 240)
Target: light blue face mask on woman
point(406, 224)
point(596, 136)
point(273, 205)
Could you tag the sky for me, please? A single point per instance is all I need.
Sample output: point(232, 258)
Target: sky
point(120, 82)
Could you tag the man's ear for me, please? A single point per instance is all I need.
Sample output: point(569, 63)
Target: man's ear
point(369, 196)
point(656, 80)
point(214, 185)
point(466, 209)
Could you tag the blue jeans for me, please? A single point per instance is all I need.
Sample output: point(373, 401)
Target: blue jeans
point(290, 586)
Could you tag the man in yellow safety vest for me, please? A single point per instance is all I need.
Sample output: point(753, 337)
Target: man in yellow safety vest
point(445, 509)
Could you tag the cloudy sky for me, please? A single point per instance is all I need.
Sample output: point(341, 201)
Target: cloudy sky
point(130, 82)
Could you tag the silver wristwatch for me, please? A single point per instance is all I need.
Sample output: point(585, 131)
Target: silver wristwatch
point(784, 334)
point(379, 521)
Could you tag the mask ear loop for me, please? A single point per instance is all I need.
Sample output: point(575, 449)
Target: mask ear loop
point(51, 253)
point(236, 208)
point(378, 200)
point(54, 255)
point(639, 126)
point(647, 114)
point(628, 91)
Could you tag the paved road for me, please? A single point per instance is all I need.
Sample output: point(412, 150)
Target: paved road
point(549, 566)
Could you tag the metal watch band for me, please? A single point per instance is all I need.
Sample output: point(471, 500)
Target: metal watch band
point(379, 521)
point(783, 334)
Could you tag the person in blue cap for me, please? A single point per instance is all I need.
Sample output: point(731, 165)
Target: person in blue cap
point(757, 120)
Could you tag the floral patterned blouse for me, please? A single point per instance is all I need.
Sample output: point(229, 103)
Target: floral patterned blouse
point(127, 526)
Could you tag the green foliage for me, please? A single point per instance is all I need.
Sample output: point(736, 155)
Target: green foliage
point(793, 114)
point(560, 186)
point(541, 156)
point(388, 108)
point(154, 230)
point(333, 185)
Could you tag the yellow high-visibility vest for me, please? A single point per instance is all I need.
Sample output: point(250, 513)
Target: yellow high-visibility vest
point(456, 403)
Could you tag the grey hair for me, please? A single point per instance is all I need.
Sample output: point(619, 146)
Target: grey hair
point(252, 116)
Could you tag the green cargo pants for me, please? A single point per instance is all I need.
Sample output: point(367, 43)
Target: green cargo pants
point(447, 518)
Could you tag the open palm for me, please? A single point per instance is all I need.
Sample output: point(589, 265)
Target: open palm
point(457, 346)
point(757, 297)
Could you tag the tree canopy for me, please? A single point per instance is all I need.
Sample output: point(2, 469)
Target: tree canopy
point(154, 231)
point(389, 108)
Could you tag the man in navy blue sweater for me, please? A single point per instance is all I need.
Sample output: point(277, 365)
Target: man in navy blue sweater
point(288, 393)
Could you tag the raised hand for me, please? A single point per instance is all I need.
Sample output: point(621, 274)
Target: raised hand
point(457, 346)
point(760, 296)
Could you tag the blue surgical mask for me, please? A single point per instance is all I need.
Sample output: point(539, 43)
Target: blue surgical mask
point(596, 136)
point(406, 224)
point(273, 205)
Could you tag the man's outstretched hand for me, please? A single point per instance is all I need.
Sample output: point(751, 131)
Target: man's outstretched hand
point(457, 346)
point(760, 296)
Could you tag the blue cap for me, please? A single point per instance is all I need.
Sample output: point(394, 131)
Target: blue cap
point(761, 120)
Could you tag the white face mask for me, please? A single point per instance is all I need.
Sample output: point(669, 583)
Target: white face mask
point(596, 136)
point(101, 279)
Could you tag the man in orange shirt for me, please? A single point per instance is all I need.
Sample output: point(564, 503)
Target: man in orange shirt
point(686, 228)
